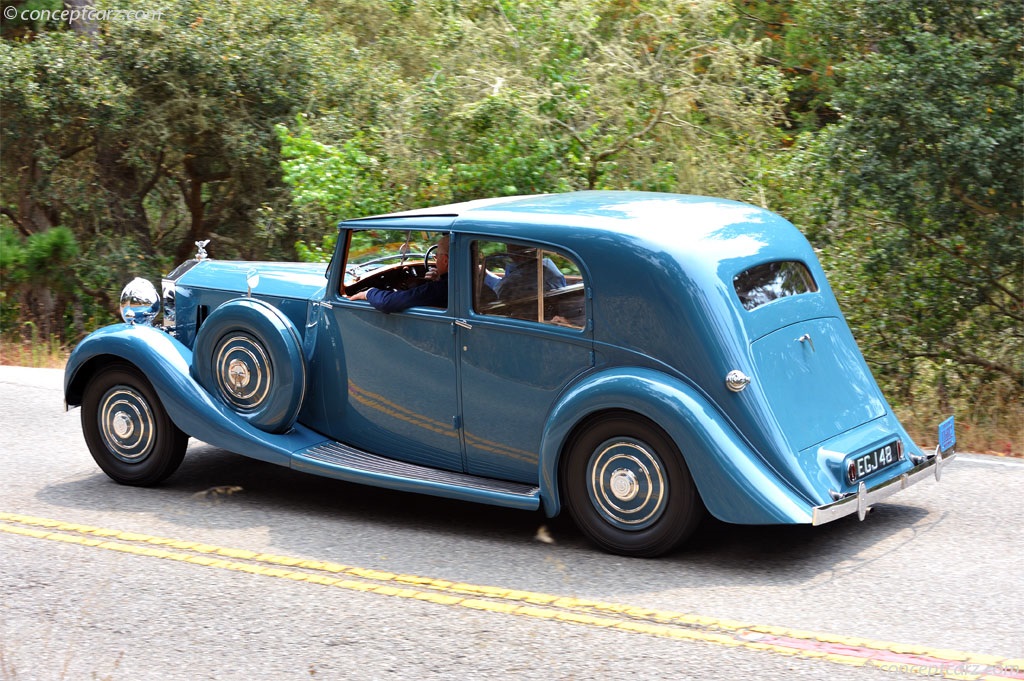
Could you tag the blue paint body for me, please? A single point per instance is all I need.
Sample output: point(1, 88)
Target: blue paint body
point(472, 395)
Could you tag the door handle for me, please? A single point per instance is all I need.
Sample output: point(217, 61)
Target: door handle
point(463, 323)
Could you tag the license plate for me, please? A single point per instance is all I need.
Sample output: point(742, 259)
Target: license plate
point(866, 464)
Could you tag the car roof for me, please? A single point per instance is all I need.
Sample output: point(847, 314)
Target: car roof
point(700, 230)
point(593, 209)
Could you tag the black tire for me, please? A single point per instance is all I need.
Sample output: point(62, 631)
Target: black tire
point(627, 487)
point(248, 355)
point(127, 429)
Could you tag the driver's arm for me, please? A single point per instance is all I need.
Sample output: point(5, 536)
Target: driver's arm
point(432, 293)
point(383, 300)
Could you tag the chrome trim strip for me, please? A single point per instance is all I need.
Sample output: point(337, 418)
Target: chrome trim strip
point(861, 501)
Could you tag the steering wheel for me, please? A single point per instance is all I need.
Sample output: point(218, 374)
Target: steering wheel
point(426, 256)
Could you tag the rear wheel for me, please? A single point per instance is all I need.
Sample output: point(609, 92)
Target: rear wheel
point(627, 487)
point(127, 429)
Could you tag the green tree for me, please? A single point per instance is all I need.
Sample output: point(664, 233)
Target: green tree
point(917, 190)
point(492, 98)
point(150, 135)
point(37, 276)
point(801, 49)
point(332, 183)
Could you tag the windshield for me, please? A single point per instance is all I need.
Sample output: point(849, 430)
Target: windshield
point(371, 249)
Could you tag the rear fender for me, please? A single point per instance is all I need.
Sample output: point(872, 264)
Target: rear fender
point(165, 363)
point(734, 483)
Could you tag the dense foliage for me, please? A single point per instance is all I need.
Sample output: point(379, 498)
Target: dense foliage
point(890, 131)
point(918, 192)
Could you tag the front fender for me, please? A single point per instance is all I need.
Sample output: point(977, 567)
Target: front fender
point(733, 481)
point(165, 362)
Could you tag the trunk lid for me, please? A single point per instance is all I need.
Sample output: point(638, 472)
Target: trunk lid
point(816, 380)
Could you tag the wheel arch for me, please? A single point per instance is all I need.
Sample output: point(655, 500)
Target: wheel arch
point(74, 391)
point(590, 420)
point(165, 362)
point(733, 482)
point(154, 353)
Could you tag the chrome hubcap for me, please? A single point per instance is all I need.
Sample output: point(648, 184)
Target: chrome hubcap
point(123, 426)
point(243, 372)
point(126, 424)
point(626, 483)
point(238, 375)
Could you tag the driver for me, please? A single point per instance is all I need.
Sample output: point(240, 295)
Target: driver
point(433, 293)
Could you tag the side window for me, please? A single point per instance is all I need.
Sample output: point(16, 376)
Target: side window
point(529, 283)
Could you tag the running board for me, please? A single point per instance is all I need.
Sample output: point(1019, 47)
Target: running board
point(335, 460)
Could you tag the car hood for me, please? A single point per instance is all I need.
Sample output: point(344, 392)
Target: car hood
point(275, 279)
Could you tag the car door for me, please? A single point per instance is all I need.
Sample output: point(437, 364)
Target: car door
point(388, 382)
point(517, 349)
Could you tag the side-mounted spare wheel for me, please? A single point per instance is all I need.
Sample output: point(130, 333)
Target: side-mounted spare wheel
point(127, 429)
point(248, 355)
point(627, 486)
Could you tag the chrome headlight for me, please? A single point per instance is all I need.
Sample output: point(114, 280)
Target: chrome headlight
point(140, 303)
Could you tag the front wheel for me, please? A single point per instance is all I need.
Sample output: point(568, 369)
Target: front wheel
point(127, 429)
point(628, 488)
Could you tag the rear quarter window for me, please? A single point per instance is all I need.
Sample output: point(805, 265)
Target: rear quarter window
point(508, 276)
point(770, 281)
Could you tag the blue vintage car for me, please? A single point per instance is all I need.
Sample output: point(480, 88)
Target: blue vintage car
point(638, 359)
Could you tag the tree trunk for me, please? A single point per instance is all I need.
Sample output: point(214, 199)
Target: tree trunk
point(127, 216)
point(193, 193)
point(83, 25)
point(33, 216)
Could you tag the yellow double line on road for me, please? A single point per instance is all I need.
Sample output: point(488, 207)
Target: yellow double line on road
point(652, 622)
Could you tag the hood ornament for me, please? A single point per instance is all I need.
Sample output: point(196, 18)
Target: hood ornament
point(201, 253)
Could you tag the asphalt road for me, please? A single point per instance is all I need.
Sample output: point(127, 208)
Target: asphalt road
point(237, 569)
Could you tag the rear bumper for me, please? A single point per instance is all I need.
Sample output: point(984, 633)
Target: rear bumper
point(860, 501)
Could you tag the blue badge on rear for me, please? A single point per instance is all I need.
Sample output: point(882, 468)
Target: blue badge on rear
point(947, 434)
